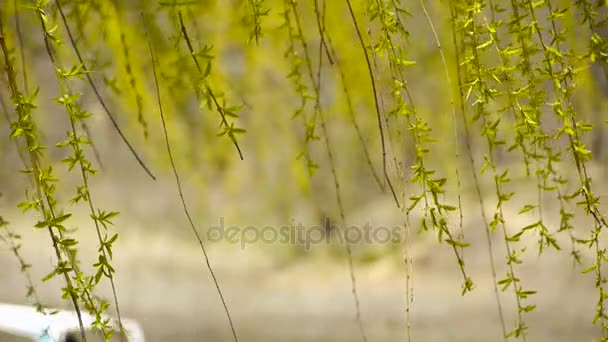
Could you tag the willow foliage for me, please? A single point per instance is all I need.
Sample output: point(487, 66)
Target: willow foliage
point(423, 99)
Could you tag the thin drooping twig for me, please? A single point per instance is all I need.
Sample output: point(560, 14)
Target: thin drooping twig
point(179, 185)
point(94, 148)
point(85, 180)
point(424, 178)
point(190, 15)
point(320, 19)
point(351, 112)
point(86, 288)
point(408, 260)
point(11, 239)
point(455, 123)
point(6, 115)
point(407, 257)
point(589, 201)
point(332, 166)
point(385, 119)
point(316, 83)
point(98, 95)
point(33, 157)
point(469, 151)
point(218, 107)
point(377, 106)
point(21, 48)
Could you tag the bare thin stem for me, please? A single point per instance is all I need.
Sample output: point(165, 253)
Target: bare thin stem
point(377, 106)
point(179, 187)
point(332, 163)
point(21, 48)
point(351, 112)
point(454, 121)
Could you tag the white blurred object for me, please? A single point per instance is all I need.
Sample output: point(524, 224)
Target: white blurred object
point(61, 326)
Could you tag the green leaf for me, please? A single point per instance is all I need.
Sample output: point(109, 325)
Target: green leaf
point(526, 208)
point(455, 243)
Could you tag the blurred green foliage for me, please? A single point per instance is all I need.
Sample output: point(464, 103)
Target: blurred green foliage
point(329, 104)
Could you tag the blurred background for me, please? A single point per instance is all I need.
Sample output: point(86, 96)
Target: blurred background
point(294, 290)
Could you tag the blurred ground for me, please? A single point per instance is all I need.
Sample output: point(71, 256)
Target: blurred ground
point(163, 283)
